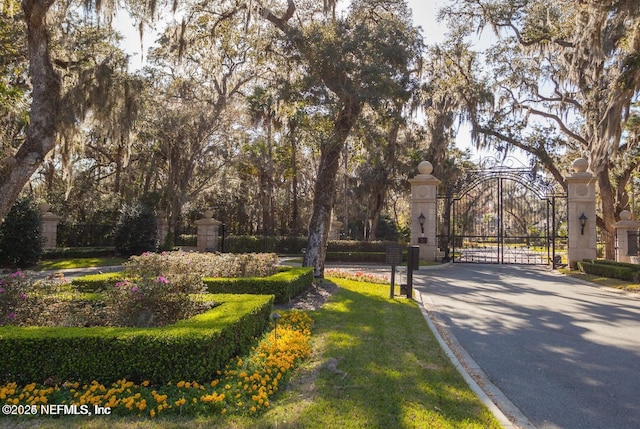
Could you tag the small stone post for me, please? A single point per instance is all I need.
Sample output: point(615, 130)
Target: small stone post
point(208, 233)
point(626, 238)
point(49, 223)
point(423, 209)
point(581, 213)
point(162, 228)
point(334, 229)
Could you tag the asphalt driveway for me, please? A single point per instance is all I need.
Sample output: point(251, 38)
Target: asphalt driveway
point(566, 354)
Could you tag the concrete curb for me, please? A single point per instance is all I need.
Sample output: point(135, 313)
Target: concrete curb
point(499, 405)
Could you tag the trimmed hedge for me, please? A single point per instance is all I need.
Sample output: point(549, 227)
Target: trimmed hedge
point(97, 282)
point(78, 252)
point(359, 246)
point(367, 257)
point(373, 257)
point(192, 349)
point(283, 285)
point(634, 267)
point(607, 270)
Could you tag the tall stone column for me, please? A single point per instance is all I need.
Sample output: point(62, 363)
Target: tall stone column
point(49, 222)
point(424, 219)
point(208, 233)
point(627, 238)
point(581, 213)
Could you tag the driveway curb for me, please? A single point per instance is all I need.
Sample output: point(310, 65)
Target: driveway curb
point(492, 397)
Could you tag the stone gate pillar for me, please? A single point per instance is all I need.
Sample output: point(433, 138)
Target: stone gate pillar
point(334, 229)
point(423, 211)
point(581, 213)
point(626, 238)
point(162, 229)
point(208, 233)
point(49, 222)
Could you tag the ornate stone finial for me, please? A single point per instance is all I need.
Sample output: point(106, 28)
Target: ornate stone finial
point(625, 215)
point(580, 165)
point(44, 207)
point(425, 167)
point(208, 214)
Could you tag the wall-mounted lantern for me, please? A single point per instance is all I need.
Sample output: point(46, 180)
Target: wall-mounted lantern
point(583, 222)
point(422, 239)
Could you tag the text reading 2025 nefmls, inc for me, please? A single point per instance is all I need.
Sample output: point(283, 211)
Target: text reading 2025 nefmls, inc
point(54, 410)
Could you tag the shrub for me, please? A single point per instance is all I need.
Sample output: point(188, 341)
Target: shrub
point(21, 235)
point(21, 296)
point(267, 367)
point(152, 301)
point(283, 285)
point(194, 266)
point(358, 246)
point(192, 349)
point(606, 270)
point(136, 230)
point(78, 252)
point(97, 282)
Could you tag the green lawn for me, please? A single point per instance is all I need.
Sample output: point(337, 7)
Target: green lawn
point(62, 264)
point(375, 364)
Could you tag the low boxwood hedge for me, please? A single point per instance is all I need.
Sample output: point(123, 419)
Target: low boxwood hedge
point(283, 285)
point(78, 252)
point(634, 267)
point(366, 257)
point(97, 282)
point(607, 270)
point(192, 349)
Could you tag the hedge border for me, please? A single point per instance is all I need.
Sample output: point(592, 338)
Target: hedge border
point(612, 270)
point(286, 284)
point(191, 349)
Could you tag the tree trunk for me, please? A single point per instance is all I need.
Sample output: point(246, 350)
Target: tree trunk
point(608, 213)
point(326, 186)
point(41, 136)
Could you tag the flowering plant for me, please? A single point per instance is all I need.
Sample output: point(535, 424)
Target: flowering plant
point(21, 295)
point(151, 301)
point(193, 266)
point(357, 276)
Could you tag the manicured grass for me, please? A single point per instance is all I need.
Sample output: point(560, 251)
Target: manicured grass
point(62, 264)
point(374, 364)
point(603, 281)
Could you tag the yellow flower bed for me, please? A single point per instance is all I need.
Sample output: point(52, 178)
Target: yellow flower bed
point(244, 386)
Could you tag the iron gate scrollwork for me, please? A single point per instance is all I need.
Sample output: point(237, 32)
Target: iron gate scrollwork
point(505, 214)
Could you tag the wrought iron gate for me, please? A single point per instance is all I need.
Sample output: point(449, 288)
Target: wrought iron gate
point(504, 215)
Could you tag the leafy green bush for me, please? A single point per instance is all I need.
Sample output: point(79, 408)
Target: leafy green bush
point(249, 244)
point(136, 230)
point(371, 257)
point(358, 246)
point(97, 282)
point(283, 285)
point(21, 235)
point(607, 270)
point(192, 349)
point(78, 252)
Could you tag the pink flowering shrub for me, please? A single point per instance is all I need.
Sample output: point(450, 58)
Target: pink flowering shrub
point(22, 297)
point(151, 301)
point(171, 264)
point(161, 286)
point(360, 276)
